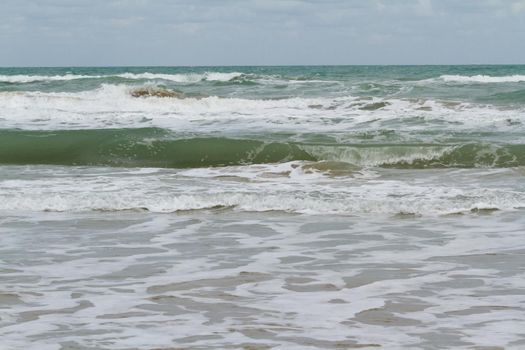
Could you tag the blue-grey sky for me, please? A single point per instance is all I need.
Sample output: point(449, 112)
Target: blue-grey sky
point(260, 32)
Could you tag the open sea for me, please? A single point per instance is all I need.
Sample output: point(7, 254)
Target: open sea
point(256, 208)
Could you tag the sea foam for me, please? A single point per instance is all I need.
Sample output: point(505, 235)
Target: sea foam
point(179, 78)
point(290, 187)
point(114, 106)
point(483, 79)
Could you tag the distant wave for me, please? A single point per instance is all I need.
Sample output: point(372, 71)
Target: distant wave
point(35, 78)
point(180, 78)
point(483, 79)
point(183, 78)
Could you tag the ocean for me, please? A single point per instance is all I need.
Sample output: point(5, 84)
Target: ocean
point(319, 207)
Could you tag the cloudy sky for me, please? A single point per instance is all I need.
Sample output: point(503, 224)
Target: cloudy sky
point(260, 32)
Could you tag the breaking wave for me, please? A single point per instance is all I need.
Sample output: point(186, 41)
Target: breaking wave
point(483, 79)
point(153, 147)
point(129, 105)
point(179, 78)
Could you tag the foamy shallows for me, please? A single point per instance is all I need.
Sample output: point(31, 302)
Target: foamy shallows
point(260, 280)
point(484, 79)
point(262, 207)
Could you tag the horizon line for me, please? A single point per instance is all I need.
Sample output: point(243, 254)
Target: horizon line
point(270, 65)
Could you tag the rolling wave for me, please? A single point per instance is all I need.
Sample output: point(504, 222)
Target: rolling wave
point(153, 147)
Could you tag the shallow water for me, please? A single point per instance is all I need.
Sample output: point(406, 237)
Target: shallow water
point(225, 280)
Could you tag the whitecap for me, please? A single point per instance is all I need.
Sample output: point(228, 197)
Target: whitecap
point(483, 79)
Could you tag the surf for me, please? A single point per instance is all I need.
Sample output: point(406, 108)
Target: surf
point(155, 147)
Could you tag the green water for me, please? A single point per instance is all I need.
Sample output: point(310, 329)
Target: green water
point(161, 148)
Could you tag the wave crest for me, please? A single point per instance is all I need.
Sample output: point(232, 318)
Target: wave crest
point(483, 79)
point(152, 147)
point(179, 78)
point(153, 91)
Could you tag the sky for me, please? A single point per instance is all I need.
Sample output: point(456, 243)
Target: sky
point(260, 32)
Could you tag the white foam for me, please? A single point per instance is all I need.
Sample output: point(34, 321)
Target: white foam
point(34, 78)
point(184, 78)
point(245, 279)
point(214, 76)
point(113, 106)
point(377, 156)
point(283, 187)
point(179, 78)
point(483, 79)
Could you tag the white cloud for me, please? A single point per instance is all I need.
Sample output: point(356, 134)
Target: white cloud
point(126, 22)
point(424, 7)
point(278, 5)
point(379, 5)
point(518, 7)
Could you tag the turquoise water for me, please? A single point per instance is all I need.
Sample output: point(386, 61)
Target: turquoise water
point(262, 207)
point(285, 82)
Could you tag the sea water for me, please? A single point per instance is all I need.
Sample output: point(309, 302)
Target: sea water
point(262, 207)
